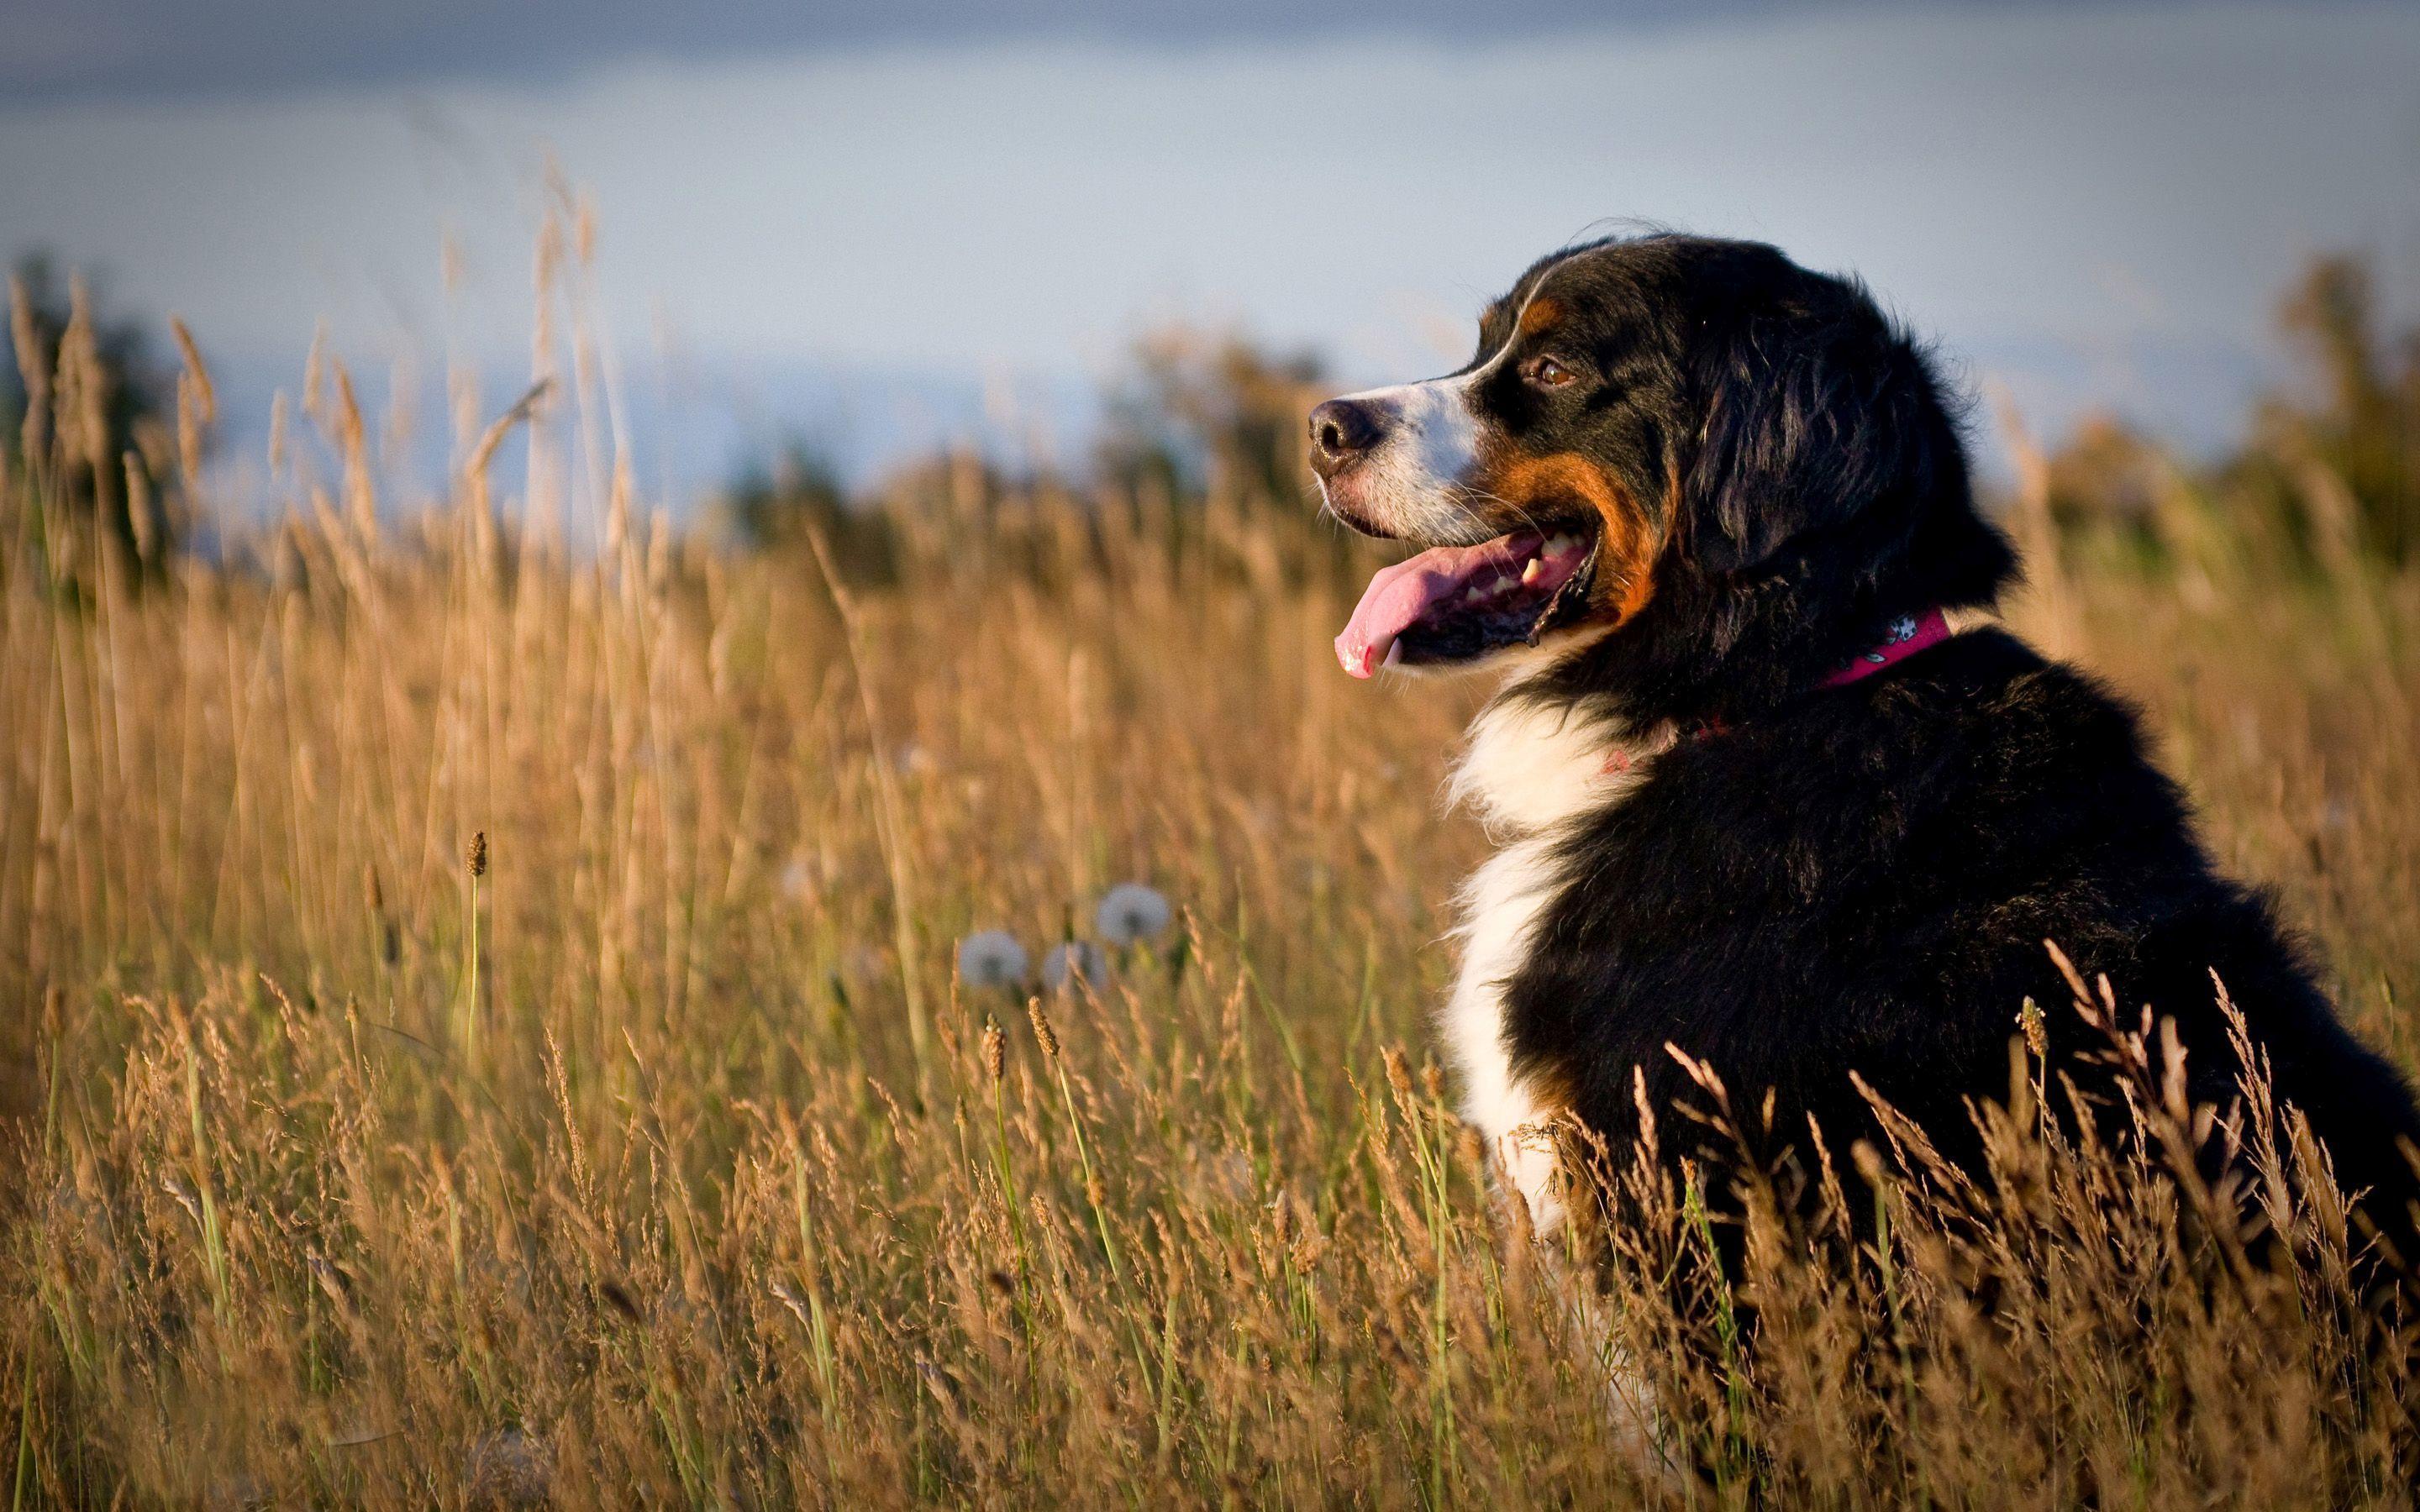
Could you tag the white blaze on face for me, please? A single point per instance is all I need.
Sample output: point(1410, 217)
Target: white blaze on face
point(1412, 483)
point(1433, 425)
point(1408, 484)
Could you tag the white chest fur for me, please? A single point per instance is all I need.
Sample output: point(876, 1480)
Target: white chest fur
point(1528, 771)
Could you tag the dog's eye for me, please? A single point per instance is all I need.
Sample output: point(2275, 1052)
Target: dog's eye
point(1546, 373)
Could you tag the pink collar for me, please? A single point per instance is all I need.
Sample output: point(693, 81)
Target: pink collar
point(1905, 636)
point(1901, 639)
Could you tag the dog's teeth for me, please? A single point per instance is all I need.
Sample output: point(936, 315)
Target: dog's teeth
point(1529, 572)
point(1557, 543)
point(1473, 593)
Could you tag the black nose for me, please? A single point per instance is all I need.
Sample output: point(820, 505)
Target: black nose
point(1341, 430)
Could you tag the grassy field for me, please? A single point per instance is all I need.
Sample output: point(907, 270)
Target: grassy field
point(488, 1034)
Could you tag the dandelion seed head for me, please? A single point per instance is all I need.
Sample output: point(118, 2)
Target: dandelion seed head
point(991, 958)
point(1131, 913)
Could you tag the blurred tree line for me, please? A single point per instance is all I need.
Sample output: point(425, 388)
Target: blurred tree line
point(1196, 417)
point(86, 410)
point(1203, 412)
point(769, 507)
point(2326, 477)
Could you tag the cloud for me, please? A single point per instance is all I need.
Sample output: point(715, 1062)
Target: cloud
point(179, 47)
point(155, 47)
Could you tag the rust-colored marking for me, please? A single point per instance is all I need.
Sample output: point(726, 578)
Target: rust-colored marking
point(1541, 314)
point(1626, 551)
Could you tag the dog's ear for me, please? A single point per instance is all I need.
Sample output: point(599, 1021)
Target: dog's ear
point(1813, 422)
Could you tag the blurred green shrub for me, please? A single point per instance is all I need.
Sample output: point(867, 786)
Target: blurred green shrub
point(2326, 479)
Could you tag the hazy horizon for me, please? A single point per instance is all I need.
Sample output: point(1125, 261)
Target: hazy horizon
point(854, 243)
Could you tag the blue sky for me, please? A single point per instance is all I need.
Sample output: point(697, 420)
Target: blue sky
point(854, 230)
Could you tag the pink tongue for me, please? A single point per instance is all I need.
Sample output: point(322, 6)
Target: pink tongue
point(1399, 594)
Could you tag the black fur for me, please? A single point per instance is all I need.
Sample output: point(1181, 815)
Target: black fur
point(1864, 881)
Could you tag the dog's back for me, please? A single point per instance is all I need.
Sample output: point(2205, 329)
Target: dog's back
point(1865, 885)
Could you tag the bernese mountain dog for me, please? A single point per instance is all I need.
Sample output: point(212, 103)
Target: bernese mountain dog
point(1756, 802)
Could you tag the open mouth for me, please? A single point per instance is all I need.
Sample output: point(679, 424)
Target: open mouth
point(1457, 603)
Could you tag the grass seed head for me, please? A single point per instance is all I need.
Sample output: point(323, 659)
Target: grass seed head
point(2037, 1033)
point(1043, 1034)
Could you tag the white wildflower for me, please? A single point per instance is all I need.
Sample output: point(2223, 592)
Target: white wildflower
point(1130, 912)
point(991, 959)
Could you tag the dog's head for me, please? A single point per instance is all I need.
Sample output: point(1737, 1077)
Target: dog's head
point(1664, 418)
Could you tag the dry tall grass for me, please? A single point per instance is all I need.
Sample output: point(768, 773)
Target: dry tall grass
point(664, 1159)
